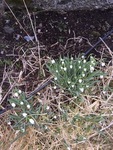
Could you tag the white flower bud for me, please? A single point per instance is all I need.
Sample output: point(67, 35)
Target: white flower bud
point(19, 91)
point(79, 67)
point(80, 80)
point(47, 108)
point(102, 64)
point(84, 61)
point(24, 115)
point(82, 89)
point(55, 78)
point(56, 71)
point(31, 121)
point(65, 68)
point(71, 66)
point(28, 106)
point(15, 94)
point(101, 76)
point(85, 69)
point(13, 104)
point(54, 87)
point(72, 86)
point(55, 117)
point(21, 103)
point(53, 61)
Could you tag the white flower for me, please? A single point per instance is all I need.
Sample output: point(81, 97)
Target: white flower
point(9, 123)
point(19, 91)
point(53, 61)
point(79, 61)
point(38, 93)
point(68, 148)
point(81, 89)
point(15, 94)
point(61, 59)
point(46, 127)
point(13, 104)
point(55, 117)
point(56, 71)
point(101, 76)
point(21, 103)
point(72, 86)
point(54, 87)
point(47, 107)
point(71, 58)
point(84, 61)
point(68, 82)
point(28, 106)
point(91, 68)
point(102, 64)
point(31, 121)
point(71, 66)
point(104, 92)
point(62, 62)
point(55, 78)
point(83, 74)
point(24, 114)
point(87, 86)
point(83, 57)
point(65, 68)
point(79, 67)
point(80, 80)
point(85, 69)
point(22, 129)
point(61, 67)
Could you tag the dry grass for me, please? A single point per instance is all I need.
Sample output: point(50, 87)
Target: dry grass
point(62, 133)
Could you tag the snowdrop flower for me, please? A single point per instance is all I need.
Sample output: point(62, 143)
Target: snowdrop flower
point(65, 68)
point(21, 103)
point(28, 106)
point(53, 61)
point(83, 57)
point(71, 58)
point(22, 129)
point(80, 80)
point(79, 67)
point(68, 82)
point(13, 104)
point(15, 94)
point(104, 92)
point(84, 61)
point(87, 86)
point(47, 107)
point(9, 123)
point(72, 86)
point(91, 68)
point(54, 87)
point(31, 121)
point(46, 127)
point(62, 62)
point(24, 114)
point(102, 64)
point(101, 76)
point(19, 91)
point(61, 67)
point(79, 61)
point(85, 69)
point(83, 74)
point(55, 78)
point(71, 66)
point(55, 117)
point(82, 89)
point(56, 71)
point(68, 148)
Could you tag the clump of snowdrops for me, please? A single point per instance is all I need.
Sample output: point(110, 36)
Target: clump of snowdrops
point(75, 76)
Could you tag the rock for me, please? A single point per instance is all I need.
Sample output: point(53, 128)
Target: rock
point(60, 5)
